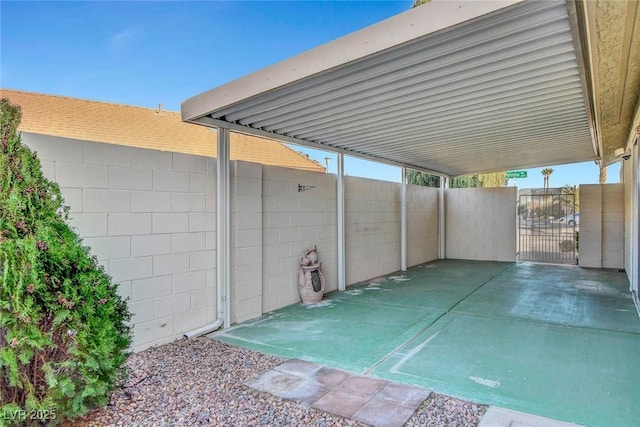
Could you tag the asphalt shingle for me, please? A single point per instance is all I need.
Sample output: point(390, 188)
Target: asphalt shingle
point(131, 126)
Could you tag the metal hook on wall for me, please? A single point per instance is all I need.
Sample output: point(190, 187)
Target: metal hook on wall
point(305, 187)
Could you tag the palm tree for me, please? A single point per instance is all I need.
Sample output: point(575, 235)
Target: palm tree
point(603, 174)
point(571, 199)
point(546, 173)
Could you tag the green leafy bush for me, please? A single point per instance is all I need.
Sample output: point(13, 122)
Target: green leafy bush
point(64, 333)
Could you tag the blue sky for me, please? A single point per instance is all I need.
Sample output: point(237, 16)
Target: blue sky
point(146, 53)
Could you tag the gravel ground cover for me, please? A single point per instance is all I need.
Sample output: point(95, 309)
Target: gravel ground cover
point(202, 382)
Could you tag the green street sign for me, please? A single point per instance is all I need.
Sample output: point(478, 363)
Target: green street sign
point(515, 174)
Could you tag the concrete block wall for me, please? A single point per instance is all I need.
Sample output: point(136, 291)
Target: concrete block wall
point(293, 221)
point(422, 224)
point(481, 223)
point(372, 228)
point(602, 226)
point(246, 241)
point(149, 217)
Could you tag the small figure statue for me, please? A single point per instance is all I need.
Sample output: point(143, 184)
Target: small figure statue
point(311, 280)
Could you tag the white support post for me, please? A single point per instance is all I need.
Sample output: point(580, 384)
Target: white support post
point(403, 220)
point(340, 223)
point(223, 230)
point(635, 225)
point(442, 225)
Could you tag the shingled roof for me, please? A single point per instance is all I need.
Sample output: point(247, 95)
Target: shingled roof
point(142, 127)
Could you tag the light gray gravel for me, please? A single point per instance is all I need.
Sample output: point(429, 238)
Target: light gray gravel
point(444, 411)
point(203, 382)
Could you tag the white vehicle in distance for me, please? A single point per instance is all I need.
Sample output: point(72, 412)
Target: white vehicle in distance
point(571, 220)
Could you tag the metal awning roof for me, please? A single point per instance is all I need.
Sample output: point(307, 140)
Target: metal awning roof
point(454, 87)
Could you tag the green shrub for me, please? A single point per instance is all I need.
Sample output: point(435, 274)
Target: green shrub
point(64, 335)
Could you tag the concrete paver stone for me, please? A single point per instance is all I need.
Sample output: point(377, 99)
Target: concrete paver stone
point(372, 401)
point(341, 402)
point(404, 395)
point(289, 387)
point(330, 377)
point(363, 385)
point(380, 413)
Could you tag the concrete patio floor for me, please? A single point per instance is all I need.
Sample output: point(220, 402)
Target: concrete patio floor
point(557, 341)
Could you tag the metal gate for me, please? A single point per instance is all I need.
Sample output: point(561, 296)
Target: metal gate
point(548, 226)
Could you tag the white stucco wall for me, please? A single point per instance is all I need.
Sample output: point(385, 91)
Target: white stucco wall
point(602, 226)
point(481, 223)
point(149, 217)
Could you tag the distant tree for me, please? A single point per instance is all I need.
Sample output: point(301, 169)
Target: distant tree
point(546, 173)
point(572, 189)
point(490, 180)
point(466, 181)
point(421, 178)
point(487, 180)
point(417, 3)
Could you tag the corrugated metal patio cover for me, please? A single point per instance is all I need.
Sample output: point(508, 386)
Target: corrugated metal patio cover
point(452, 87)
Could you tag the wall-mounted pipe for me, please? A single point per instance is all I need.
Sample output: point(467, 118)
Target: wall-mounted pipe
point(340, 223)
point(223, 260)
point(223, 229)
point(403, 221)
point(207, 329)
point(442, 220)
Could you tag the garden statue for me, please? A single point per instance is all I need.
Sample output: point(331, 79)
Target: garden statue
point(311, 280)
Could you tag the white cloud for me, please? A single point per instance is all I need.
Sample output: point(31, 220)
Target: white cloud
point(123, 38)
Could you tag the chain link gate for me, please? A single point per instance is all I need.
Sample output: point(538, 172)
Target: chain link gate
point(548, 226)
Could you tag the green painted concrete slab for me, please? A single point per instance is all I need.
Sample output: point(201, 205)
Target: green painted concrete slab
point(565, 295)
point(580, 375)
point(438, 285)
point(343, 334)
point(557, 341)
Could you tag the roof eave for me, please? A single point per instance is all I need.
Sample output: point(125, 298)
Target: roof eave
point(610, 33)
